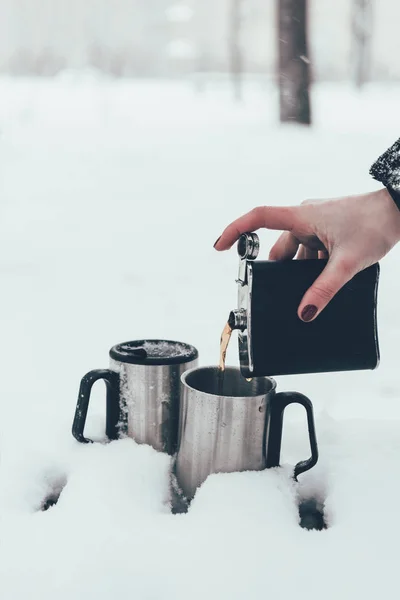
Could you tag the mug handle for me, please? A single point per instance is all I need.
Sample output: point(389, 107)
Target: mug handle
point(111, 379)
point(273, 451)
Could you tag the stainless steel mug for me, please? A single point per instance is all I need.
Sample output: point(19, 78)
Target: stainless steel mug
point(143, 392)
point(230, 424)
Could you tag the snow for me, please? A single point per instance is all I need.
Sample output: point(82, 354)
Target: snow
point(112, 195)
point(166, 349)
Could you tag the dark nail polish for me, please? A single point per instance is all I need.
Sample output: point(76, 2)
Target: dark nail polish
point(309, 312)
point(217, 241)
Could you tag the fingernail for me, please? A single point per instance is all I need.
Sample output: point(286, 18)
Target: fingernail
point(217, 241)
point(309, 312)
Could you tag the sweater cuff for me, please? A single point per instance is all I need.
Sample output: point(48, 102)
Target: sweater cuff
point(387, 170)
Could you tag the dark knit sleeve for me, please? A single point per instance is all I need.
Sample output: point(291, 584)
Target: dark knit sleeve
point(387, 170)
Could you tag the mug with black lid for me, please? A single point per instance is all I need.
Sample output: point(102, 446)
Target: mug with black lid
point(143, 392)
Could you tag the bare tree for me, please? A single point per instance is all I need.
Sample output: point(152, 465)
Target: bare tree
point(236, 58)
point(362, 36)
point(294, 69)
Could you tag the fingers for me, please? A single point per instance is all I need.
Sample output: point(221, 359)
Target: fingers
point(336, 274)
point(305, 253)
point(270, 217)
point(285, 248)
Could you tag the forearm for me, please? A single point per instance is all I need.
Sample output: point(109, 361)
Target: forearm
point(387, 170)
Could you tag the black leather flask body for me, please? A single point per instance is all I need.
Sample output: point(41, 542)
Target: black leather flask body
point(272, 338)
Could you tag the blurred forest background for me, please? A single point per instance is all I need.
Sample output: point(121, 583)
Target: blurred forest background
point(293, 42)
point(166, 39)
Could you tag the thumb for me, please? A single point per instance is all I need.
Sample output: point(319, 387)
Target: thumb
point(338, 271)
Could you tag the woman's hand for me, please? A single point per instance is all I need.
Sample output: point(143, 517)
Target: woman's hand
point(353, 232)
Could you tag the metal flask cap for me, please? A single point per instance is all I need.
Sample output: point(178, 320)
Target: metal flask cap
point(248, 246)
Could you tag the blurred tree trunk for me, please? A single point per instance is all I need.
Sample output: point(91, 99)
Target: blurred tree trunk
point(294, 70)
point(362, 37)
point(235, 49)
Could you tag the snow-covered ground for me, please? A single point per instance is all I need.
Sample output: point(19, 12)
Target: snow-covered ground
point(111, 197)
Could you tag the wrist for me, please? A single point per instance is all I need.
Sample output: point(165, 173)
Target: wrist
point(392, 212)
point(394, 194)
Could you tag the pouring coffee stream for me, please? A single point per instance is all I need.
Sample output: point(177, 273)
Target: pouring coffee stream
point(225, 337)
point(223, 347)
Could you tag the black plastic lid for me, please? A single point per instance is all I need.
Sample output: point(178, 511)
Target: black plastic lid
point(154, 352)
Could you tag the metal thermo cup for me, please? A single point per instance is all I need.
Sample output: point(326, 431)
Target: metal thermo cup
point(229, 424)
point(143, 392)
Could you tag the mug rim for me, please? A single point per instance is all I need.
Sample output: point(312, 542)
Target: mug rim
point(186, 374)
point(124, 353)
